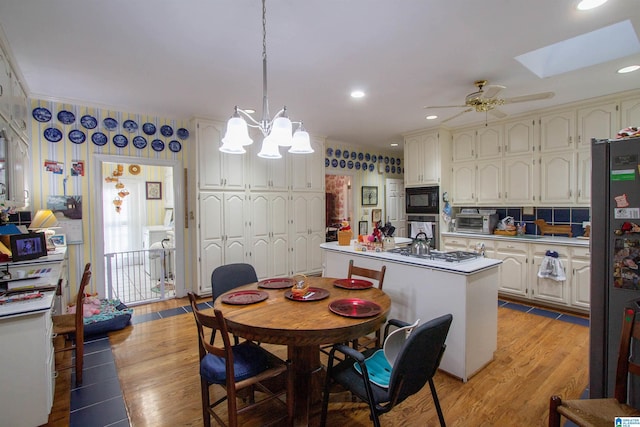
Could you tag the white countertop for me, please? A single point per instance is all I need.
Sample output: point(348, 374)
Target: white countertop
point(22, 308)
point(527, 238)
point(465, 267)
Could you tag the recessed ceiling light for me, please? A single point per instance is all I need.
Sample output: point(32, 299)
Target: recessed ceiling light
point(590, 4)
point(250, 110)
point(432, 117)
point(394, 144)
point(357, 94)
point(629, 69)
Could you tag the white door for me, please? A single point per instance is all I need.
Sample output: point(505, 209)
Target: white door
point(395, 206)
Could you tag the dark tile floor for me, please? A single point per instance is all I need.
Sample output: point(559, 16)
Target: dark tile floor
point(99, 401)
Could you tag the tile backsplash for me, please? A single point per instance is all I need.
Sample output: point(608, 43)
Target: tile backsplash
point(553, 215)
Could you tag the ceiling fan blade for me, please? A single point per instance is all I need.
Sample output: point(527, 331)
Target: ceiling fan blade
point(532, 97)
point(497, 113)
point(491, 91)
point(457, 115)
point(445, 106)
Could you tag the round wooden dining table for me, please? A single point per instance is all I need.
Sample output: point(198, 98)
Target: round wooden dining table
point(303, 326)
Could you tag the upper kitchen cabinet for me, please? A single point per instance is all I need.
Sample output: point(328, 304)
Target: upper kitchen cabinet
point(19, 107)
point(599, 122)
point(267, 174)
point(216, 170)
point(463, 146)
point(630, 113)
point(557, 178)
point(480, 144)
point(307, 170)
point(5, 87)
point(423, 154)
point(557, 131)
point(14, 167)
point(521, 137)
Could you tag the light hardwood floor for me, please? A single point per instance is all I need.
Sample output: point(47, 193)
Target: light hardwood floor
point(537, 356)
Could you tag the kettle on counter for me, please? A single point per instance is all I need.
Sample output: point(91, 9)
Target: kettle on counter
point(420, 246)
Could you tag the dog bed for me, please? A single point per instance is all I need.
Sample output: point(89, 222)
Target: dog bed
point(113, 316)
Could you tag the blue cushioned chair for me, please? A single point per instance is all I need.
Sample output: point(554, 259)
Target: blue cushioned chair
point(237, 367)
point(415, 365)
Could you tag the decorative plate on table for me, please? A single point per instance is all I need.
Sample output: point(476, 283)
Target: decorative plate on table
point(149, 128)
point(52, 134)
point(66, 117)
point(355, 307)
point(120, 140)
point(166, 130)
point(77, 136)
point(99, 139)
point(182, 133)
point(109, 123)
point(244, 297)
point(313, 294)
point(139, 142)
point(88, 122)
point(278, 283)
point(175, 146)
point(130, 126)
point(41, 114)
point(157, 145)
point(353, 284)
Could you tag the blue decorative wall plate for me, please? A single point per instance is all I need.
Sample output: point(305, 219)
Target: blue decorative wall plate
point(345, 154)
point(338, 152)
point(120, 140)
point(77, 136)
point(66, 117)
point(371, 167)
point(41, 114)
point(99, 139)
point(367, 157)
point(130, 126)
point(357, 166)
point(149, 128)
point(353, 155)
point(327, 162)
point(329, 151)
point(175, 146)
point(88, 122)
point(343, 164)
point(166, 130)
point(365, 166)
point(157, 145)
point(52, 134)
point(139, 142)
point(350, 164)
point(334, 163)
point(110, 123)
point(182, 133)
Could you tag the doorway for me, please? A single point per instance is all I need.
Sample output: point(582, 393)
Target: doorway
point(136, 237)
point(339, 203)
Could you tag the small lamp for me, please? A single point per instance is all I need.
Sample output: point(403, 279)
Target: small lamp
point(44, 221)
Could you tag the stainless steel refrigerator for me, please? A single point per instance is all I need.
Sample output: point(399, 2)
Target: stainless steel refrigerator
point(615, 254)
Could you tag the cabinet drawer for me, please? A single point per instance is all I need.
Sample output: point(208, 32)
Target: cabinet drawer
point(508, 246)
point(581, 252)
point(563, 251)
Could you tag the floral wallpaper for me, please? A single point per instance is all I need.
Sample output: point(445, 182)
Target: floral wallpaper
point(337, 185)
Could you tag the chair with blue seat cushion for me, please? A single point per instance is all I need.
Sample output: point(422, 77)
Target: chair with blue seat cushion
point(415, 364)
point(239, 367)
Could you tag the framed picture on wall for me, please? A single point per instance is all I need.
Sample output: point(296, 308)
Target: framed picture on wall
point(363, 227)
point(376, 216)
point(369, 195)
point(154, 190)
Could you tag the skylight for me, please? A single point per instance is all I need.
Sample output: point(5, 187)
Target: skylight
point(606, 44)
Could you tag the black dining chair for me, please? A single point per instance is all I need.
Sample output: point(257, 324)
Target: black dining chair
point(228, 277)
point(415, 365)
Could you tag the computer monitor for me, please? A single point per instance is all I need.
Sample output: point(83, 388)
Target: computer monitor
point(28, 246)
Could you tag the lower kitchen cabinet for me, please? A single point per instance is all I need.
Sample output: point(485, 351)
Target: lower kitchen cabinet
point(545, 289)
point(514, 270)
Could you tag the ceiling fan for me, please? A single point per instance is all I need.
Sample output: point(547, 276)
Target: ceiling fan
point(485, 99)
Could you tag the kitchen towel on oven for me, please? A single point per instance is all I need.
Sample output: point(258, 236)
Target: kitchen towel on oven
point(421, 227)
point(551, 267)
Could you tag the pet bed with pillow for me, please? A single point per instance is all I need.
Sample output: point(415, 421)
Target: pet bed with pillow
point(113, 316)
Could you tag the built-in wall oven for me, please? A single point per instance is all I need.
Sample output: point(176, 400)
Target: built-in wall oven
point(422, 200)
point(424, 223)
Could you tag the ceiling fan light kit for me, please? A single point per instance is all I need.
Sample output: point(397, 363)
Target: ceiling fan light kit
point(277, 132)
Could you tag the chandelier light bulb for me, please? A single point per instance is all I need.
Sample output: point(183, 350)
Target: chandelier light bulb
point(281, 130)
point(269, 149)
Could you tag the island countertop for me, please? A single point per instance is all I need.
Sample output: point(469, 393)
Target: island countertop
point(465, 267)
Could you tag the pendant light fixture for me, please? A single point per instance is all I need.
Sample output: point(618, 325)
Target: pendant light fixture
point(277, 132)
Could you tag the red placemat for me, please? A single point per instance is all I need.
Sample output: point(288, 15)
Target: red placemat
point(313, 294)
point(244, 297)
point(277, 283)
point(355, 307)
point(353, 284)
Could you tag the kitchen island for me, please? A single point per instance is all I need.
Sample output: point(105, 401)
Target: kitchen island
point(423, 289)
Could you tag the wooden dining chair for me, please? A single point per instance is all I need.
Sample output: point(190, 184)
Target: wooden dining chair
point(235, 368)
point(414, 366)
point(378, 275)
point(71, 327)
point(601, 412)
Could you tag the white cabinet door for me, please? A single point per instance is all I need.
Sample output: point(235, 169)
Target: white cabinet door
point(514, 268)
point(584, 177)
point(18, 171)
point(413, 161)
point(431, 158)
point(307, 170)
point(307, 214)
point(463, 146)
point(269, 227)
point(267, 174)
point(580, 278)
point(629, 113)
point(216, 170)
point(557, 178)
point(19, 107)
point(599, 122)
point(5, 87)
point(557, 131)
point(422, 159)
point(519, 178)
point(520, 137)
point(464, 175)
point(450, 243)
point(489, 142)
point(489, 182)
point(546, 289)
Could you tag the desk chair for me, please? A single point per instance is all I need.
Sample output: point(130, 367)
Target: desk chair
point(602, 412)
point(415, 364)
point(237, 367)
point(71, 326)
point(367, 342)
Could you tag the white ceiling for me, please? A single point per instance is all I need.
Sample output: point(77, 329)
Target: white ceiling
point(201, 57)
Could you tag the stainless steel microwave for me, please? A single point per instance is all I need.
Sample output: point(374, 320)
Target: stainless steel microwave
point(422, 200)
point(476, 223)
